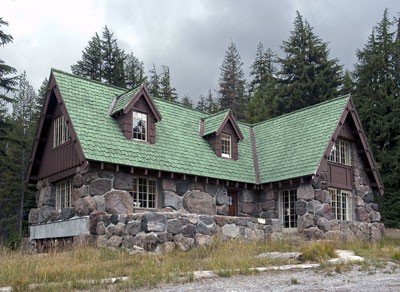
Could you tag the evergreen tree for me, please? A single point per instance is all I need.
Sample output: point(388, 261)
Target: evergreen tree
point(377, 98)
point(307, 76)
point(232, 83)
point(348, 84)
point(134, 71)
point(91, 65)
point(186, 101)
point(261, 104)
point(212, 105)
point(154, 83)
point(113, 59)
point(201, 103)
point(166, 91)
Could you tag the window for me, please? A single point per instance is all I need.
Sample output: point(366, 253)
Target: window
point(287, 210)
point(226, 145)
point(61, 131)
point(340, 152)
point(63, 194)
point(144, 193)
point(341, 204)
point(139, 126)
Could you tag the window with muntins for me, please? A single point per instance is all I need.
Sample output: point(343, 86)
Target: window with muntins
point(144, 193)
point(340, 152)
point(63, 194)
point(61, 131)
point(139, 126)
point(341, 204)
point(287, 209)
point(226, 145)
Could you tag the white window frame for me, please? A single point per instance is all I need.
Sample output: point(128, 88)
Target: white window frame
point(64, 194)
point(226, 145)
point(60, 131)
point(341, 202)
point(144, 193)
point(136, 117)
point(340, 152)
point(287, 211)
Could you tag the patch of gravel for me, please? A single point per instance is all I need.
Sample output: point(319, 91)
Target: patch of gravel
point(310, 280)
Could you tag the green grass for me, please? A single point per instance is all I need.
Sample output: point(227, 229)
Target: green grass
point(74, 268)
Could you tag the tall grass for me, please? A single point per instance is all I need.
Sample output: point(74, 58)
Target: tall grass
point(71, 269)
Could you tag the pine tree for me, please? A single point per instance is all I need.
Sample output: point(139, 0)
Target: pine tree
point(166, 91)
point(154, 83)
point(113, 59)
point(186, 101)
point(261, 104)
point(232, 83)
point(91, 65)
point(377, 98)
point(348, 84)
point(307, 75)
point(212, 105)
point(134, 71)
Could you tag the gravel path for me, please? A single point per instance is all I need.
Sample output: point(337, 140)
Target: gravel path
point(311, 280)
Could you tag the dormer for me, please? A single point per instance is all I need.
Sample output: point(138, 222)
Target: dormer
point(222, 133)
point(136, 114)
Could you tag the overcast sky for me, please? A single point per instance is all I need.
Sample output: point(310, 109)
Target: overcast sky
point(191, 37)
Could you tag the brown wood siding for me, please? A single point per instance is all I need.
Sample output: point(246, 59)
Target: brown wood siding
point(346, 132)
point(215, 142)
point(58, 159)
point(340, 176)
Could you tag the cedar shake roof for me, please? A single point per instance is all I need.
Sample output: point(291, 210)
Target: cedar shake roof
point(285, 147)
point(293, 144)
point(215, 123)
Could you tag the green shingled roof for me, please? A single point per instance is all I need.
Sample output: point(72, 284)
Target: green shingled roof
point(288, 146)
point(178, 147)
point(213, 122)
point(292, 145)
point(124, 99)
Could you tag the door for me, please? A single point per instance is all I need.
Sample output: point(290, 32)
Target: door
point(233, 203)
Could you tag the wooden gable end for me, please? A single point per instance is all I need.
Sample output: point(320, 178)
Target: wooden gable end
point(45, 160)
point(349, 128)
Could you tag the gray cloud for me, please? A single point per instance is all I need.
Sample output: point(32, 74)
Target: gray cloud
point(191, 37)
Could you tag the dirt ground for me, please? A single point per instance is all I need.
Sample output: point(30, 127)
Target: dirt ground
point(356, 278)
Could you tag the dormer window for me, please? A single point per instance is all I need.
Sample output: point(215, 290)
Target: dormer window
point(226, 145)
point(139, 126)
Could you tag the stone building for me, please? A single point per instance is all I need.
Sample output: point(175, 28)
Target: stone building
point(120, 167)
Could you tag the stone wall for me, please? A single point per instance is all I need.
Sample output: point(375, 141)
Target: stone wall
point(160, 231)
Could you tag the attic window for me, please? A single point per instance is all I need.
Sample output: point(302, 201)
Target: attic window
point(139, 126)
point(340, 153)
point(60, 132)
point(226, 145)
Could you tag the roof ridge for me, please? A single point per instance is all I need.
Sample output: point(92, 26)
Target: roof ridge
point(346, 96)
point(86, 79)
point(219, 113)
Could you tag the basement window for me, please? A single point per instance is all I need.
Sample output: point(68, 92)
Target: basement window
point(60, 132)
point(226, 145)
point(139, 126)
point(63, 194)
point(341, 204)
point(144, 193)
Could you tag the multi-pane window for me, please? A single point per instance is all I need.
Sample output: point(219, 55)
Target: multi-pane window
point(63, 194)
point(340, 152)
point(61, 131)
point(139, 126)
point(341, 204)
point(226, 143)
point(144, 193)
point(287, 209)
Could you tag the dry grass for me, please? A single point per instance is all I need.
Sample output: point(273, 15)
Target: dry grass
point(71, 269)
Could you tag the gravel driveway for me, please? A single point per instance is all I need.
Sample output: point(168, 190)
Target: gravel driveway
point(311, 280)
